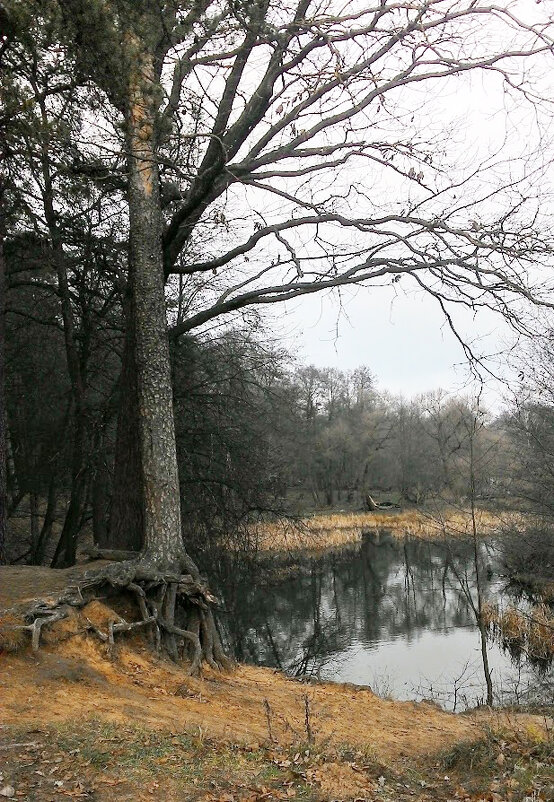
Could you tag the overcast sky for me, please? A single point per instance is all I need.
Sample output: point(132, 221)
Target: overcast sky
point(493, 143)
point(399, 333)
point(402, 337)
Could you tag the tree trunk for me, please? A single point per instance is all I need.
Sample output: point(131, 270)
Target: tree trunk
point(476, 558)
point(66, 550)
point(127, 507)
point(99, 492)
point(35, 522)
point(163, 545)
point(3, 449)
point(486, 666)
point(37, 557)
point(170, 593)
point(13, 492)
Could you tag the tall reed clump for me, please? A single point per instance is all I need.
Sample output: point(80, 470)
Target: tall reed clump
point(530, 633)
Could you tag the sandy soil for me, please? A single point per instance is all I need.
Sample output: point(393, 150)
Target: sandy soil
point(78, 680)
point(20, 584)
point(75, 675)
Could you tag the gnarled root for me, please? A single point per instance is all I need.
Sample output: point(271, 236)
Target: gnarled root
point(39, 617)
point(175, 607)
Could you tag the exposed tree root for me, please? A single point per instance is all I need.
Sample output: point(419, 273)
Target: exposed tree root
point(175, 607)
point(44, 615)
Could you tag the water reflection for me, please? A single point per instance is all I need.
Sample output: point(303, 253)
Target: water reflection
point(385, 611)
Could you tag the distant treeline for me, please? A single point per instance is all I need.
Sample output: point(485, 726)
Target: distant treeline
point(257, 435)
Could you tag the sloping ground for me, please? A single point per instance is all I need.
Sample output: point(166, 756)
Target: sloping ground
point(74, 674)
point(78, 679)
point(80, 719)
point(21, 584)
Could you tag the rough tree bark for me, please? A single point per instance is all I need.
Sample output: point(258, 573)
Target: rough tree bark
point(166, 581)
point(3, 450)
point(126, 512)
point(123, 54)
point(163, 544)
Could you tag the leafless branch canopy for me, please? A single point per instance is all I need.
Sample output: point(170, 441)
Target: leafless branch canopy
point(310, 144)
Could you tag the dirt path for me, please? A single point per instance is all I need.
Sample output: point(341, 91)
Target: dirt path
point(20, 584)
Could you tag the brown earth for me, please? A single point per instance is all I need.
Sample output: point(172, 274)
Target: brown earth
point(77, 678)
point(20, 584)
point(73, 674)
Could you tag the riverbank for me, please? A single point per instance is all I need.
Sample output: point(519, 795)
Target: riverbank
point(322, 531)
point(82, 719)
point(114, 733)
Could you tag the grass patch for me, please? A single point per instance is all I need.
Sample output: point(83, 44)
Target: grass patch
point(366, 757)
point(12, 637)
point(333, 530)
point(516, 765)
point(137, 751)
point(107, 761)
point(96, 754)
point(529, 633)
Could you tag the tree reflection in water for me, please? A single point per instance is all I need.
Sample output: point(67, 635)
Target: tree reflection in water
point(304, 615)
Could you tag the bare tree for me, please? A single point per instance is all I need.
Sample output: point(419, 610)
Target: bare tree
point(284, 152)
point(473, 462)
point(3, 444)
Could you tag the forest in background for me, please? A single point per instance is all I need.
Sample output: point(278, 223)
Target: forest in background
point(258, 437)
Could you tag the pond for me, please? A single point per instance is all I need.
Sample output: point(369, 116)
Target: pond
point(386, 613)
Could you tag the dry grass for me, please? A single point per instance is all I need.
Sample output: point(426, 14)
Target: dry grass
point(506, 763)
point(12, 638)
point(333, 530)
point(530, 633)
point(547, 593)
point(134, 762)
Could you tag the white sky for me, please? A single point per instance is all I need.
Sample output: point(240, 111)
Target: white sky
point(402, 337)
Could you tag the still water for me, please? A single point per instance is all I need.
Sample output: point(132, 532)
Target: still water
point(389, 614)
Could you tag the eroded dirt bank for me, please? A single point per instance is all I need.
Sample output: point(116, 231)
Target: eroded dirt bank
point(79, 678)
